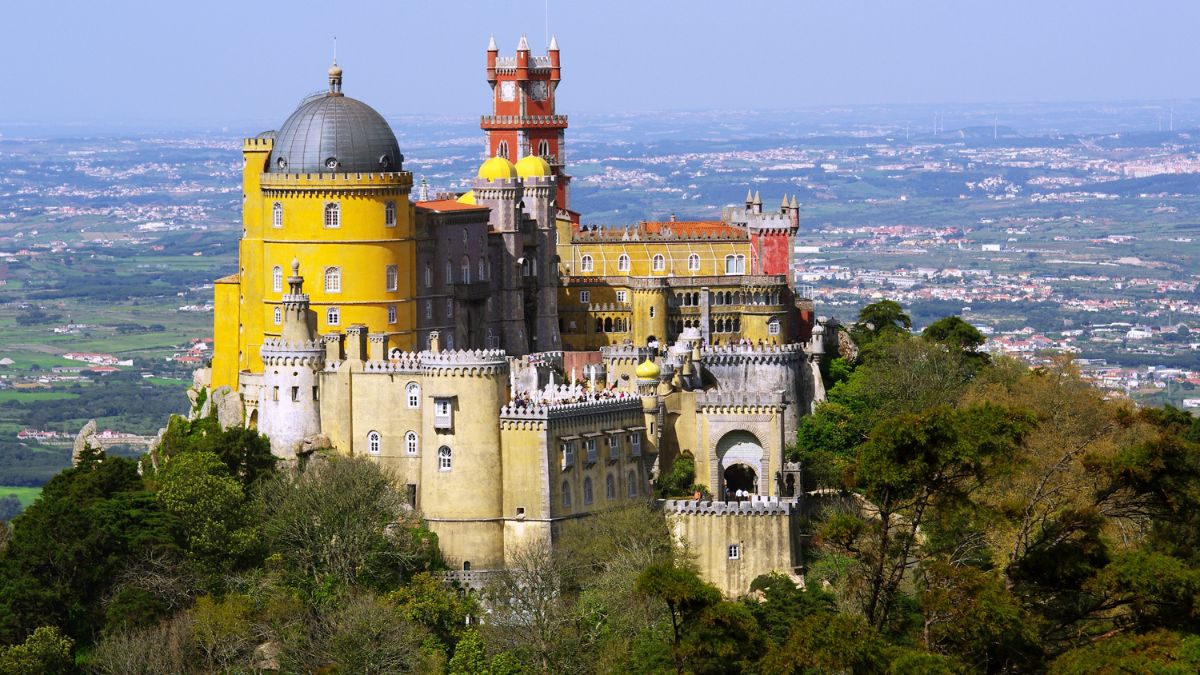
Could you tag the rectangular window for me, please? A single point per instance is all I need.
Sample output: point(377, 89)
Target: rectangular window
point(316, 395)
point(590, 444)
point(735, 552)
point(442, 413)
point(392, 277)
point(635, 445)
point(568, 455)
point(585, 297)
point(621, 296)
point(410, 491)
point(275, 394)
point(295, 393)
point(428, 309)
point(333, 316)
point(449, 308)
point(614, 448)
point(773, 327)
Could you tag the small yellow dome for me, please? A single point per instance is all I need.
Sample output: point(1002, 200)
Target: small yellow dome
point(532, 166)
point(467, 197)
point(497, 168)
point(648, 370)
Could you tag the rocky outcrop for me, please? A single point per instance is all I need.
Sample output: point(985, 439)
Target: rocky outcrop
point(313, 443)
point(85, 440)
point(223, 402)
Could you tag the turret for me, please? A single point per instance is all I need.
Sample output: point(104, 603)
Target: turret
point(555, 65)
point(757, 204)
point(749, 200)
point(289, 409)
point(523, 59)
point(492, 53)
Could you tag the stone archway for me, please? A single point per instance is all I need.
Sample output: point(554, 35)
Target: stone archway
point(740, 449)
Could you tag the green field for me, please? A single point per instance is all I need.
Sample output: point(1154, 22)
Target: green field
point(27, 495)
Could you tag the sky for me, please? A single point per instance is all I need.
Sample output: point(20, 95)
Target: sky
point(246, 63)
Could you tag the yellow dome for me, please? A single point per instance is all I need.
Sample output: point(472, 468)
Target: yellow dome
point(467, 197)
point(648, 370)
point(532, 166)
point(497, 167)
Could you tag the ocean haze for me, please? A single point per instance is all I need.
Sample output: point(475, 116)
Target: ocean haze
point(216, 64)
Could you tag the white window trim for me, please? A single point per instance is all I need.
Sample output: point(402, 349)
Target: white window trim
point(587, 264)
point(412, 395)
point(391, 277)
point(277, 215)
point(585, 297)
point(333, 209)
point(389, 214)
point(374, 443)
point(734, 551)
point(277, 279)
point(411, 443)
point(333, 274)
point(333, 316)
point(391, 314)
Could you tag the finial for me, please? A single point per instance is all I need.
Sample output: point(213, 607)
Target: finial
point(295, 267)
point(554, 43)
point(492, 44)
point(523, 45)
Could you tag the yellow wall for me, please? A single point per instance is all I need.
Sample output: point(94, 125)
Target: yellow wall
point(226, 319)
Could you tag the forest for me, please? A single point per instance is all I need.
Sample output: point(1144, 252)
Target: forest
point(966, 514)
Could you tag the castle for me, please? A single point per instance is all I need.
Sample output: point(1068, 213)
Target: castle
point(514, 367)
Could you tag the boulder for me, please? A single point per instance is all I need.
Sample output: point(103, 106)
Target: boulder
point(266, 656)
point(201, 378)
point(313, 443)
point(84, 440)
point(231, 412)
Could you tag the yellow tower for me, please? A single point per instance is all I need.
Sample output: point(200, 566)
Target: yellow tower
point(329, 190)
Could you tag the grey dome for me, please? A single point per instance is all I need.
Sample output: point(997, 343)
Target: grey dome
point(332, 133)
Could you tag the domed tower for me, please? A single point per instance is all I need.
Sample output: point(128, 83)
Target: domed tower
point(327, 189)
point(289, 401)
point(498, 187)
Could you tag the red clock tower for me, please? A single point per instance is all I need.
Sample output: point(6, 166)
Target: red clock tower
point(523, 121)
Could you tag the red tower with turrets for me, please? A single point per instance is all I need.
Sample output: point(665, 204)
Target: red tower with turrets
point(523, 121)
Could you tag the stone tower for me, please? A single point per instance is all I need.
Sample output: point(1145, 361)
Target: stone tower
point(290, 397)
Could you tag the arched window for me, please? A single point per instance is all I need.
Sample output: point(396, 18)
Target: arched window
point(413, 393)
point(587, 490)
point(659, 263)
point(333, 316)
point(278, 315)
point(333, 280)
point(623, 263)
point(428, 275)
point(392, 277)
point(277, 279)
point(694, 263)
point(544, 148)
point(445, 458)
point(333, 215)
point(773, 326)
point(389, 214)
point(466, 269)
point(608, 326)
point(586, 264)
point(730, 264)
point(391, 314)
point(410, 442)
point(277, 215)
point(482, 269)
point(610, 488)
point(631, 481)
point(449, 273)
point(502, 149)
point(373, 442)
point(566, 494)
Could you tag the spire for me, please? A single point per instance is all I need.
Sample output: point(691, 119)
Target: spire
point(795, 204)
point(492, 44)
point(553, 43)
point(757, 199)
point(749, 197)
point(335, 79)
point(784, 205)
point(523, 45)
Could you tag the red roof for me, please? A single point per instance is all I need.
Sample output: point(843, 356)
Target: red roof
point(448, 205)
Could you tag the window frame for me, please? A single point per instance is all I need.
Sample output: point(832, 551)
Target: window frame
point(391, 278)
point(623, 263)
point(277, 279)
point(277, 215)
point(374, 442)
point(278, 315)
point(412, 395)
point(391, 314)
point(585, 297)
point(733, 552)
point(445, 458)
point(693, 262)
point(333, 316)
point(389, 214)
point(411, 443)
point(332, 218)
point(774, 326)
point(333, 279)
point(622, 296)
point(587, 263)
point(658, 263)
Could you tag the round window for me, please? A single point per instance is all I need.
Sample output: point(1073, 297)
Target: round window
point(281, 163)
point(331, 163)
point(385, 161)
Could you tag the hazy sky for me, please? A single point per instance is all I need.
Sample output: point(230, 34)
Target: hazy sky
point(211, 63)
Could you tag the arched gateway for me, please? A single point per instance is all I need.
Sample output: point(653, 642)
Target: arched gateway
point(740, 462)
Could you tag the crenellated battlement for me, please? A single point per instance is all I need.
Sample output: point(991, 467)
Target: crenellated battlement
point(375, 182)
point(557, 411)
point(258, 144)
point(741, 400)
point(741, 354)
point(758, 506)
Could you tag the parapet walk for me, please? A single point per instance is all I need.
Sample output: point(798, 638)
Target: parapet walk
point(756, 506)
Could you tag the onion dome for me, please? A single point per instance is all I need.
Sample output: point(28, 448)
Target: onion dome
point(497, 168)
point(647, 370)
point(332, 133)
point(467, 197)
point(532, 166)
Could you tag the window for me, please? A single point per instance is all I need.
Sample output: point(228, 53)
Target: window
point(410, 442)
point(482, 269)
point(333, 316)
point(610, 488)
point(635, 445)
point(442, 413)
point(445, 458)
point(568, 455)
point(450, 341)
point(544, 148)
point(735, 264)
point(622, 296)
point(586, 264)
point(373, 443)
point(392, 277)
point(658, 263)
point(391, 314)
point(413, 392)
point(694, 262)
point(278, 315)
point(502, 149)
point(631, 481)
point(428, 309)
point(333, 280)
point(449, 308)
point(585, 297)
point(277, 279)
point(277, 215)
point(449, 273)
point(566, 495)
point(587, 490)
point(623, 263)
point(614, 448)
point(735, 552)
point(333, 215)
point(773, 326)
point(466, 269)
point(590, 445)
point(428, 275)
point(389, 214)
point(651, 312)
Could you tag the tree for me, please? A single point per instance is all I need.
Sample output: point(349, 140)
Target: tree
point(530, 616)
point(954, 332)
point(879, 319)
point(46, 650)
point(245, 453)
point(364, 634)
point(828, 644)
point(1159, 651)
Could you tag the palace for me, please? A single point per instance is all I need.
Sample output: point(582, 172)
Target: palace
point(514, 367)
